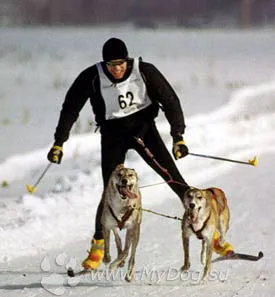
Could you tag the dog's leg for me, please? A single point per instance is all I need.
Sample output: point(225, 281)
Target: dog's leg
point(123, 255)
point(107, 257)
point(207, 250)
point(119, 246)
point(131, 264)
point(223, 228)
point(118, 242)
point(185, 242)
point(203, 252)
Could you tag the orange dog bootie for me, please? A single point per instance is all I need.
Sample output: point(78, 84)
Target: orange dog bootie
point(224, 250)
point(96, 255)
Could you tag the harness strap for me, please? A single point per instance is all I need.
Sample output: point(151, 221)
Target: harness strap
point(151, 156)
point(199, 232)
point(125, 217)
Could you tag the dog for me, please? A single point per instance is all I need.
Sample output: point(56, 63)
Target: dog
point(207, 216)
point(122, 210)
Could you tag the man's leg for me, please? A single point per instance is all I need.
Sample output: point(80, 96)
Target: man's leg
point(112, 153)
point(155, 144)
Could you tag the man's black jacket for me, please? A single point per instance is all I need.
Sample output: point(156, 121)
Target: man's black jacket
point(87, 85)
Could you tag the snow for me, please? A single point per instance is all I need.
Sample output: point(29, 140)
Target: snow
point(226, 83)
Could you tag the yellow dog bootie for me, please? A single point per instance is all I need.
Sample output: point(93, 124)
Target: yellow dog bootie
point(96, 255)
point(225, 250)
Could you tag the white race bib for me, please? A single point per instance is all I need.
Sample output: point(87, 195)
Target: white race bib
point(124, 98)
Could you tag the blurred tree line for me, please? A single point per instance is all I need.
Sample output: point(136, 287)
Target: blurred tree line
point(141, 13)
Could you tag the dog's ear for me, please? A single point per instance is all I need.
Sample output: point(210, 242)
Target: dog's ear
point(191, 189)
point(119, 166)
point(134, 171)
point(135, 174)
point(186, 193)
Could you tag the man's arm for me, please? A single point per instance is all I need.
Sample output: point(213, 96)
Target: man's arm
point(160, 90)
point(75, 99)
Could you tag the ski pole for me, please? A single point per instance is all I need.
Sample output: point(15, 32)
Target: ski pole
point(32, 189)
point(253, 162)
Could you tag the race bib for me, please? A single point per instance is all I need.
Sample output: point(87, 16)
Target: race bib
point(124, 98)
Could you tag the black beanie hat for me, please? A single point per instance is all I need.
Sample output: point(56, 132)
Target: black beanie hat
point(114, 49)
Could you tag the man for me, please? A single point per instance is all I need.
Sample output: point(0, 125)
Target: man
point(125, 95)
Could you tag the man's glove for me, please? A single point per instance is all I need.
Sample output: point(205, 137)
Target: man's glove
point(55, 154)
point(180, 150)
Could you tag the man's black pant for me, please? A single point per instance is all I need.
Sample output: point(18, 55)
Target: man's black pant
point(113, 152)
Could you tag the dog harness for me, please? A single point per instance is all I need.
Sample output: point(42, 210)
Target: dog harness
point(199, 232)
point(125, 217)
point(126, 97)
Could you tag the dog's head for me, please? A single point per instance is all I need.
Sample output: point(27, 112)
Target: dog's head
point(125, 180)
point(195, 202)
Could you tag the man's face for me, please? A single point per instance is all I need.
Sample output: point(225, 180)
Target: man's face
point(117, 68)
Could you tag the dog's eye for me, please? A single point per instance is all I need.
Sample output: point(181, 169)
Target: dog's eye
point(119, 174)
point(198, 195)
point(130, 175)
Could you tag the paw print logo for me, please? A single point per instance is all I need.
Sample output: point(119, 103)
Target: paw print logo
point(56, 283)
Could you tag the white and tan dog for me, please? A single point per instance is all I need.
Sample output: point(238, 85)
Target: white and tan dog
point(122, 210)
point(206, 215)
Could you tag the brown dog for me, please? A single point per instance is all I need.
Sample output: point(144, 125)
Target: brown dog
point(122, 209)
point(206, 213)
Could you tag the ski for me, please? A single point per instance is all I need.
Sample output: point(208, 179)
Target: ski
point(72, 273)
point(233, 256)
point(240, 256)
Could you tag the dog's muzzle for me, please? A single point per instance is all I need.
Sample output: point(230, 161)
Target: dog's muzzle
point(193, 213)
point(125, 190)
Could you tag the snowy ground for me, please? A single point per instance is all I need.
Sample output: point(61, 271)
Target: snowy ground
point(226, 83)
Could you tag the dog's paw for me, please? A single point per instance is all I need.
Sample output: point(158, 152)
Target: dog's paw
point(113, 266)
point(204, 278)
point(129, 277)
point(203, 281)
point(107, 259)
point(185, 267)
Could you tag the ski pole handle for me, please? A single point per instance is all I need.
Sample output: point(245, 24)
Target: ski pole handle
point(32, 189)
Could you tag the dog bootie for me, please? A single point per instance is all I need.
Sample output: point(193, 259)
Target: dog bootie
point(96, 254)
point(224, 250)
